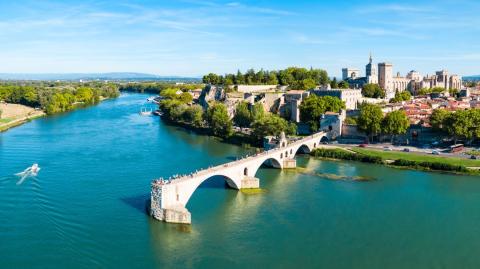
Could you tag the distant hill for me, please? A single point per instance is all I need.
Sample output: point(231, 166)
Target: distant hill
point(119, 76)
point(471, 78)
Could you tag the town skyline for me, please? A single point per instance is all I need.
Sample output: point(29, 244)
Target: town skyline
point(192, 38)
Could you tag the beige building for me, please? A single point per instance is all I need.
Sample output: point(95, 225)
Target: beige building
point(254, 88)
point(442, 79)
point(351, 97)
point(390, 83)
point(385, 77)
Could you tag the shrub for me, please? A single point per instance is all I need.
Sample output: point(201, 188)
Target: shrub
point(431, 165)
point(345, 155)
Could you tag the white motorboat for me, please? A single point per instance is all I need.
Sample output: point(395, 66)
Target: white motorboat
point(145, 112)
point(31, 171)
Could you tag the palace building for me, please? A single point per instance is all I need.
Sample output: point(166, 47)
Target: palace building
point(391, 84)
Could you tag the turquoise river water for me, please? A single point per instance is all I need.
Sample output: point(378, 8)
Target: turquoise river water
point(86, 208)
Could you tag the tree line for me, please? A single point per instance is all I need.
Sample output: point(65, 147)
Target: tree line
point(155, 87)
point(295, 77)
point(57, 98)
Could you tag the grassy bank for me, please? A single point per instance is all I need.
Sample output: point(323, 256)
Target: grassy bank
point(429, 163)
point(6, 124)
point(394, 155)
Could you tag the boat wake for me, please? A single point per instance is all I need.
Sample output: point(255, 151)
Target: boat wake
point(31, 171)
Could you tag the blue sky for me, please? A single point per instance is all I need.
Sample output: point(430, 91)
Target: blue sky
point(193, 37)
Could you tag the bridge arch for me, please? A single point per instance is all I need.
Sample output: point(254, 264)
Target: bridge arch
point(270, 162)
point(186, 194)
point(303, 149)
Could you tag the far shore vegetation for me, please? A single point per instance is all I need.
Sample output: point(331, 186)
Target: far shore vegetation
point(55, 97)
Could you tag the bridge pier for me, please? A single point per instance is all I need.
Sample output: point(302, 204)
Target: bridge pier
point(173, 215)
point(289, 163)
point(250, 183)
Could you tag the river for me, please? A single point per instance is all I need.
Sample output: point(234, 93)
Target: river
point(86, 208)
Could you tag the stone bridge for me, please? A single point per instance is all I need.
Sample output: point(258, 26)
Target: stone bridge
point(169, 198)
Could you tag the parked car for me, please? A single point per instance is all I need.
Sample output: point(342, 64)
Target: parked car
point(435, 152)
point(406, 149)
point(387, 149)
point(473, 157)
point(363, 145)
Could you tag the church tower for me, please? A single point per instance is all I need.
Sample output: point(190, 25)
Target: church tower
point(371, 72)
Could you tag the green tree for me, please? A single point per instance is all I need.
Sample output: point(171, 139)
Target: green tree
point(303, 85)
point(170, 93)
point(312, 108)
point(211, 79)
point(218, 120)
point(85, 95)
point(271, 124)
point(185, 97)
point(272, 78)
point(453, 92)
point(401, 96)
point(243, 116)
point(370, 119)
point(60, 102)
point(395, 123)
point(334, 83)
point(193, 115)
point(437, 119)
point(239, 78)
point(464, 124)
point(437, 90)
point(257, 112)
point(343, 85)
point(170, 109)
point(373, 91)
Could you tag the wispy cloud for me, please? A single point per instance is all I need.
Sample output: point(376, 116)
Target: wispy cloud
point(305, 39)
point(394, 8)
point(382, 32)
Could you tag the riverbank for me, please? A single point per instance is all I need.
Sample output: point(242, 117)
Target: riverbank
point(419, 157)
point(402, 160)
point(237, 138)
point(14, 115)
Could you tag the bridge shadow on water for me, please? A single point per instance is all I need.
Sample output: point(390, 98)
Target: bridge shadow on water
point(139, 202)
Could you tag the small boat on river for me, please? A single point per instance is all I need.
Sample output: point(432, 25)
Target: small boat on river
point(145, 112)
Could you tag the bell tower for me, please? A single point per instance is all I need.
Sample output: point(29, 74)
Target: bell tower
point(371, 71)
